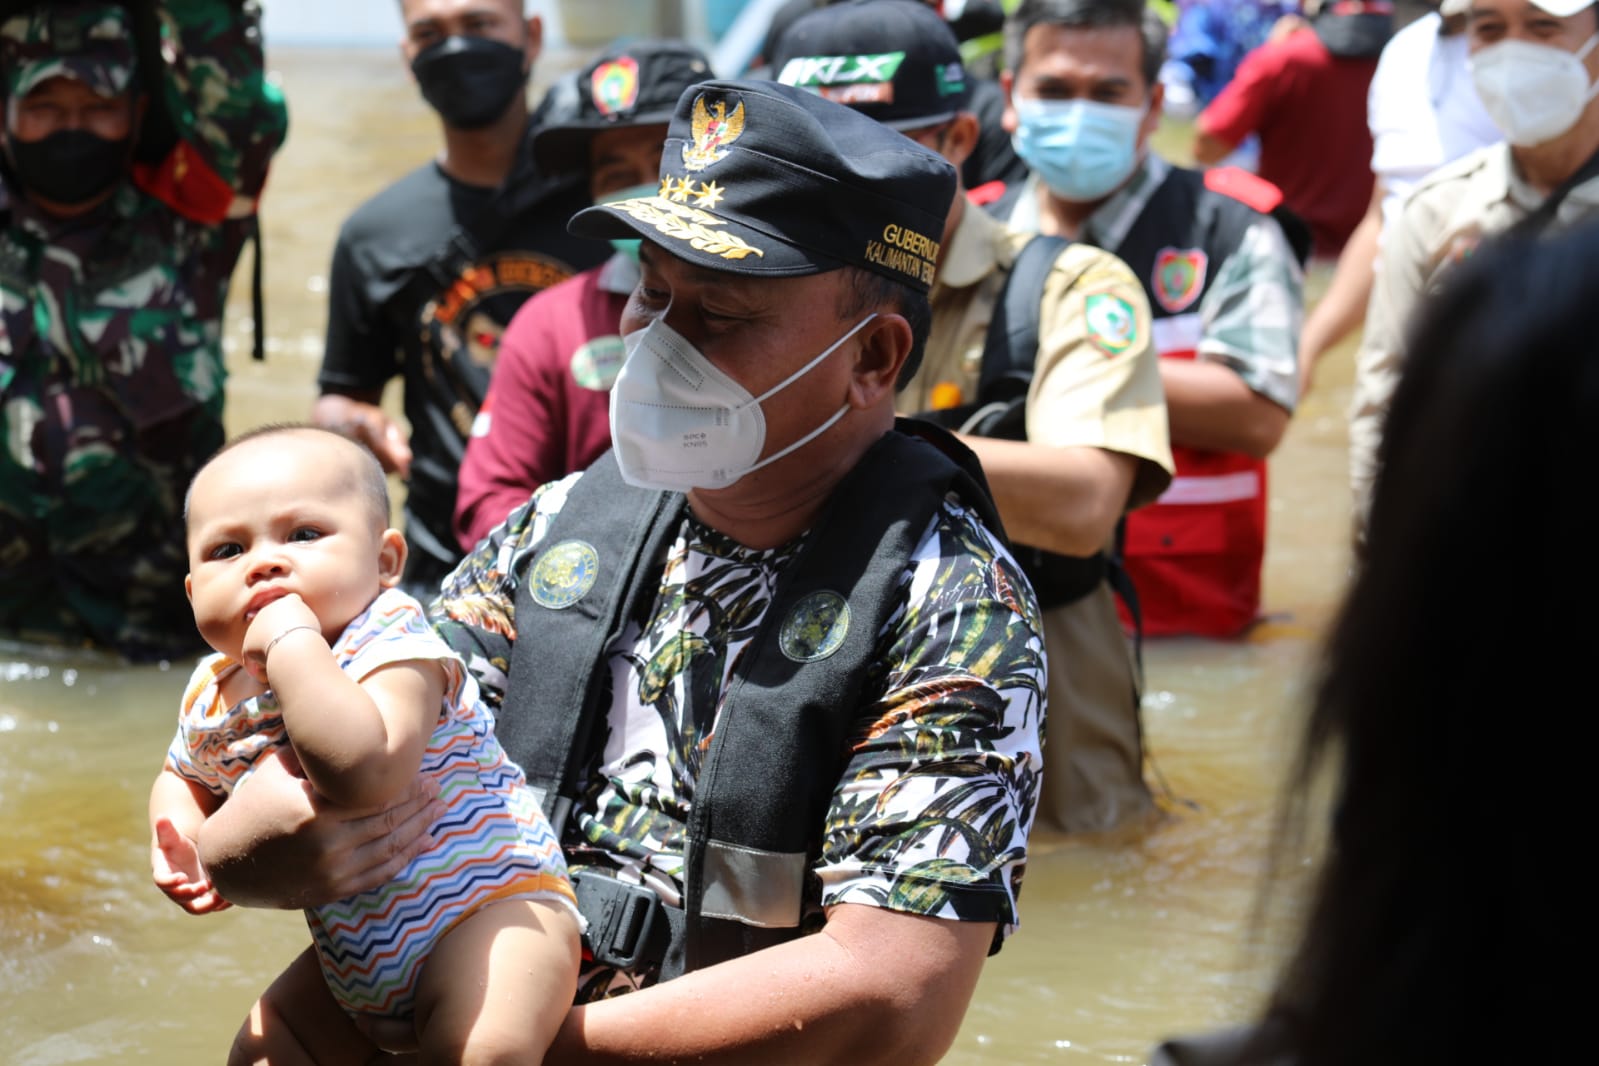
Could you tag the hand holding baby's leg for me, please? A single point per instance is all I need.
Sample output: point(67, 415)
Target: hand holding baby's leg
point(497, 988)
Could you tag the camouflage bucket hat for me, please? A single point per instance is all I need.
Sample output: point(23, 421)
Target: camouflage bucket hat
point(90, 42)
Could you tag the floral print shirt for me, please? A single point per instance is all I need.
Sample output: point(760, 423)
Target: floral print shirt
point(932, 813)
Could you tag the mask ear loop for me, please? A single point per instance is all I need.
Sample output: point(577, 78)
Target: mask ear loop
point(808, 367)
point(825, 426)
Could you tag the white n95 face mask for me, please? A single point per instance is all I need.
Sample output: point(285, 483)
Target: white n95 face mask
point(1533, 92)
point(679, 423)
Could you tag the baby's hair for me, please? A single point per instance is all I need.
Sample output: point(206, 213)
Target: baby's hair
point(374, 485)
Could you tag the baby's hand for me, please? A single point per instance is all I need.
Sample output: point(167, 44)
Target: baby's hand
point(271, 622)
point(175, 865)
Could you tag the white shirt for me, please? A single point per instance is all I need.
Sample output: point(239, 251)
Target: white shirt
point(1423, 109)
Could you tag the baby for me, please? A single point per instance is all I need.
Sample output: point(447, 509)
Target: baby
point(292, 577)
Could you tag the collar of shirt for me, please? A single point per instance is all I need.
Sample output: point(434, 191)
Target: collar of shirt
point(1506, 181)
point(979, 246)
point(1108, 225)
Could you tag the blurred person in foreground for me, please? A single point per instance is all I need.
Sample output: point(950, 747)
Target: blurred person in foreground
point(545, 413)
point(1071, 433)
point(1436, 931)
point(115, 254)
point(1535, 67)
point(787, 682)
point(426, 274)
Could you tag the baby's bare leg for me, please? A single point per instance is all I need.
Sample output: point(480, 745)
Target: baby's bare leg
point(497, 987)
point(297, 1022)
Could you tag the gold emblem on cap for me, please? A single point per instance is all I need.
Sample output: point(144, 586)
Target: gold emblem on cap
point(713, 131)
point(670, 215)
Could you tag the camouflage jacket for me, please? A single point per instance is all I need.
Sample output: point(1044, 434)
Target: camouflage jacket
point(111, 366)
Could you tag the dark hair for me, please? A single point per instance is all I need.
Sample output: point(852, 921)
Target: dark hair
point(374, 483)
point(1440, 923)
point(865, 290)
point(1088, 15)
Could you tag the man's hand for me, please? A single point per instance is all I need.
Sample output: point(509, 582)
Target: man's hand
point(365, 423)
point(277, 843)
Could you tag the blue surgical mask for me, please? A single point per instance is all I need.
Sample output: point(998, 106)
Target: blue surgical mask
point(1082, 149)
point(628, 246)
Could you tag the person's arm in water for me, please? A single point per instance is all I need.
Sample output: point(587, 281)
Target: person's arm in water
point(360, 743)
point(1343, 307)
point(178, 808)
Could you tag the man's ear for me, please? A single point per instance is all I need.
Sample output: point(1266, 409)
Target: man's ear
point(960, 140)
point(1157, 101)
point(885, 345)
point(535, 40)
point(1008, 120)
point(391, 558)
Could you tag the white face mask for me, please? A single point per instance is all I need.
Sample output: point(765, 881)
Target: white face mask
point(1533, 92)
point(679, 423)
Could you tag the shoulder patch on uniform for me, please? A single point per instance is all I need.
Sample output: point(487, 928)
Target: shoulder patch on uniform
point(1178, 277)
point(1112, 323)
point(1249, 189)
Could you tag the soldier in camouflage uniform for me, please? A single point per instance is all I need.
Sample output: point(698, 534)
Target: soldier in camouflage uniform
point(113, 278)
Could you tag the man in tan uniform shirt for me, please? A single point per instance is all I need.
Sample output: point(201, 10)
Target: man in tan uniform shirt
point(1097, 441)
point(1551, 131)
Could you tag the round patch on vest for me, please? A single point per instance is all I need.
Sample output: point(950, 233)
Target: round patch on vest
point(564, 574)
point(596, 364)
point(815, 628)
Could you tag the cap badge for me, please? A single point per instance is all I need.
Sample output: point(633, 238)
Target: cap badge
point(714, 130)
point(614, 85)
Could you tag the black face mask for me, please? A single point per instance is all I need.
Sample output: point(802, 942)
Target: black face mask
point(469, 81)
point(69, 166)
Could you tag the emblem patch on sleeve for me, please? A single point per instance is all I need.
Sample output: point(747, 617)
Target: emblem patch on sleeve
point(1112, 323)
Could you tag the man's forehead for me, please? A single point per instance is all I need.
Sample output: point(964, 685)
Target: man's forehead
point(429, 10)
point(65, 86)
point(1084, 51)
point(1516, 10)
point(624, 139)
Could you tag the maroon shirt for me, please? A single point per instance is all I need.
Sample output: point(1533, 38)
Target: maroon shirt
point(1309, 108)
point(546, 413)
